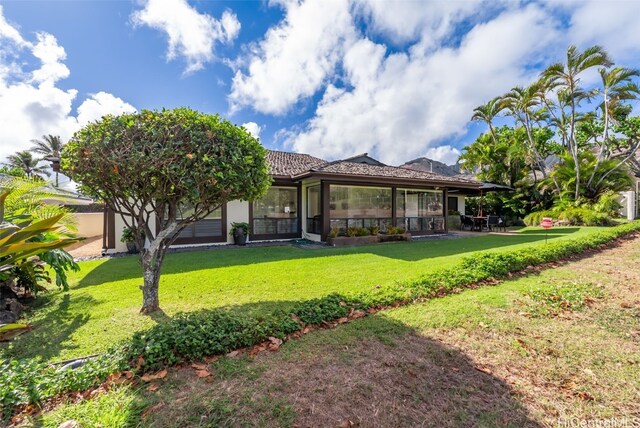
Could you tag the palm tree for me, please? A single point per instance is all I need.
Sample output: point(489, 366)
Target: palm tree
point(50, 147)
point(487, 112)
point(566, 77)
point(26, 162)
point(525, 105)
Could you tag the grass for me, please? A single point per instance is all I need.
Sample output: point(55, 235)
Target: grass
point(507, 355)
point(103, 302)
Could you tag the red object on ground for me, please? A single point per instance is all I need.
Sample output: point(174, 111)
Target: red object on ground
point(547, 223)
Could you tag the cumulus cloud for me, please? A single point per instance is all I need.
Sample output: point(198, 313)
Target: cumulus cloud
point(30, 102)
point(445, 154)
point(101, 104)
point(191, 35)
point(295, 58)
point(253, 128)
point(612, 25)
point(400, 79)
point(402, 105)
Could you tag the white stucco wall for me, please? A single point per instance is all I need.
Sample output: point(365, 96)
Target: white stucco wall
point(629, 201)
point(461, 206)
point(237, 211)
point(89, 224)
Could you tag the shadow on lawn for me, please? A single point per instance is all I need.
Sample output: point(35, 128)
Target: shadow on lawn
point(51, 332)
point(117, 269)
point(371, 372)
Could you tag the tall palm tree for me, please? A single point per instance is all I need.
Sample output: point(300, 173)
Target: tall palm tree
point(487, 112)
point(25, 161)
point(617, 87)
point(525, 105)
point(50, 147)
point(566, 77)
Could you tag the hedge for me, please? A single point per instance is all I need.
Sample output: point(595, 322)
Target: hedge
point(192, 336)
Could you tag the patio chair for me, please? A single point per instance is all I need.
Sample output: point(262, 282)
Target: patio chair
point(502, 224)
point(466, 221)
point(492, 222)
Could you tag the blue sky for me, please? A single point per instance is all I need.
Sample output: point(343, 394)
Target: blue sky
point(397, 79)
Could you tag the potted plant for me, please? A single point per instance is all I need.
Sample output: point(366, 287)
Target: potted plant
point(239, 231)
point(129, 238)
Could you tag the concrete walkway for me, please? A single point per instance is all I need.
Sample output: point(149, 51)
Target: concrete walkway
point(90, 247)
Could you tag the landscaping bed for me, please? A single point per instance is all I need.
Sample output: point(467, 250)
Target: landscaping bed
point(195, 335)
point(560, 345)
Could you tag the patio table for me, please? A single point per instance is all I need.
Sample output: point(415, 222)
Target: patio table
point(478, 221)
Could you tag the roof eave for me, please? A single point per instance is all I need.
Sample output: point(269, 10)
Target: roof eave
point(385, 180)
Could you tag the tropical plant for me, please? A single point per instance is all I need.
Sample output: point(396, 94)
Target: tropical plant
point(50, 147)
point(244, 226)
point(155, 164)
point(593, 146)
point(26, 162)
point(12, 171)
point(29, 197)
point(23, 202)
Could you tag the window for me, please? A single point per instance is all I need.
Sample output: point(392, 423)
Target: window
point(452, 203)
point(359, 206)
point(208, 229)
point(276, 213)
point(420, 210)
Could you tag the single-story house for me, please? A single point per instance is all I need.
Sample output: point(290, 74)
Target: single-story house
point(310, 196)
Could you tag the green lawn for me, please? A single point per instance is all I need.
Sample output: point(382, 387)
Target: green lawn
point(102, 305)
point(547, 349)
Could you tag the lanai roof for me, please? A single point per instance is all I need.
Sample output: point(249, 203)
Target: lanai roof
point(297, 165)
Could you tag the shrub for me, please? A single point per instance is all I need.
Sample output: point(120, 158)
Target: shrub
point(393, 230)
point(592, 218)
point(357, 231)
point(535, 218)
point(374, 230)
point(573, 216)
point(608, 204)
point(194, 335)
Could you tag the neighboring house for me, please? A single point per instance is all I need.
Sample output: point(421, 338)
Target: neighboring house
point(310, 196)
point(630, 200)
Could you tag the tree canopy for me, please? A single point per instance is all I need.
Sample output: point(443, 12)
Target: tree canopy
point(567, 139)
point(161, 164)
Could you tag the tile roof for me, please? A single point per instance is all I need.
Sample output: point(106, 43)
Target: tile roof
point(290, 164)
point(351, 168)
point(285, 164)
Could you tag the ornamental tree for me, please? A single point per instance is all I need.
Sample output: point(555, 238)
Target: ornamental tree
point(169, 167)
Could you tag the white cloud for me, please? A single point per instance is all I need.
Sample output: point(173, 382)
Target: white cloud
point(296, 57)
point(613, 25)
point(404, 83)
point(191, 34)
point(419, 21)
point(101, 104)
point(30, 102)
point(404, 104)
point(445, 154)
point(253, 128)
point(51, 56)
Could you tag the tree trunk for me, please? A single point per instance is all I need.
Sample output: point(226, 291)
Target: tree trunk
point(150, 301)
point(151, 265)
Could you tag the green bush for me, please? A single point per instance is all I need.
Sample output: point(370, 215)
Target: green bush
point(535, 218)
point(357, 231)
point(192, 336)
point(31, 381)
point(592, 218)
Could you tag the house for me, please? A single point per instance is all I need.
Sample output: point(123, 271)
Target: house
point(310, 196)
